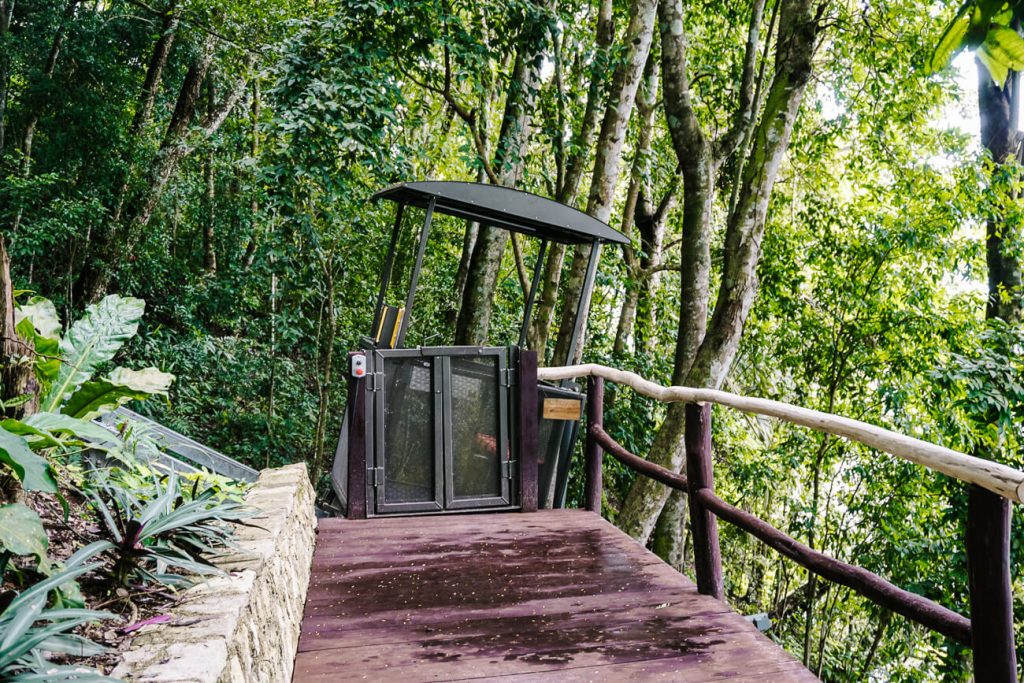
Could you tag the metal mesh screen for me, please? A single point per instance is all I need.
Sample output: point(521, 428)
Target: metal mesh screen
point(408, 431)
point(476, 427)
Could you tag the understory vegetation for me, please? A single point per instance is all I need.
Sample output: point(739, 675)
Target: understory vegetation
point(823, 201)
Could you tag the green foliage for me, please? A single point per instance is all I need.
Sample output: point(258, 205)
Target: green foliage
point(22, 533)
point(28, 630)
point(91, 341)
point(986, 27)
point(871, 278)
point(33, 471)
point(155, 528)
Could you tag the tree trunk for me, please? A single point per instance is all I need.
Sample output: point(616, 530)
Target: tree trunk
point(474, 317)
point(17, 365)
point(326, 363)
point(639, 177)
point(6, 15)
point(607, 161)
point(179, 142)
point(998, 135)
point(48, 69)
point(254, 151)
point(92, 281)
point(210, 198)
point(147, 96)
point(547, 300)
point(705, 351)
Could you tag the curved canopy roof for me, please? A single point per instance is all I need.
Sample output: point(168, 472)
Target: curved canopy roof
point(506, 208)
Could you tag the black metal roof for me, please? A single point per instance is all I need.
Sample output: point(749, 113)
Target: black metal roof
point(505, 208)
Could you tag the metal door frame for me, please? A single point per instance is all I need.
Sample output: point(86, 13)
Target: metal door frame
point(505, 462)
point(439, 358)
point(376, 479)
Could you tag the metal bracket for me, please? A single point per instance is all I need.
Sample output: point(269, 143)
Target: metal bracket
point(507, 377)
point(507, 467)
point(375, 475)
point(374, 381)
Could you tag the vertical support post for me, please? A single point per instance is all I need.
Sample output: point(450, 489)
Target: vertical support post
point(707, 555)
point(988, 573)
point(538, 270)
point(389, 264)
point(415, 277)
point(357, 449)
point(529, 440)
point(593, 484)
point(583, 307)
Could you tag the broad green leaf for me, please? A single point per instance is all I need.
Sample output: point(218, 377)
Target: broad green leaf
point(1005, 45)
point(47, 359)
point(92, 340)
point(148, 380)
point(950, 43)
point(43, 316)
point(997, 69)
point(22, 532)
point(34, 436)
point(102, 396)
point(79, 428)
point(33, 471)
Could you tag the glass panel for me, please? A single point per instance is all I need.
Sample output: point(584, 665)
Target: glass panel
point(339, 470)
point(408, 431)
point(476, 429)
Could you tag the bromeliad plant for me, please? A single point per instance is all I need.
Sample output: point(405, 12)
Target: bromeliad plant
point(29, 630)
point(154, 529)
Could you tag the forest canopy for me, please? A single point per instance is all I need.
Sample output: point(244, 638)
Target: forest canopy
point(822, 199)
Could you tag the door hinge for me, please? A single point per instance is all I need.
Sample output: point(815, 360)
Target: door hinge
point(507, 377)
point(376, 476)
point(374, 381)
point(508, 467)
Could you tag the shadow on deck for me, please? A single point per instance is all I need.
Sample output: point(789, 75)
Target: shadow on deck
point(557, 595)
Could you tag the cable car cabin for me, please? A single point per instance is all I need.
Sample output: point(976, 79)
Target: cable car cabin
point(447, 429)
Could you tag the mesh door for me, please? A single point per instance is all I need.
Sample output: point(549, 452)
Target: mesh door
point(409, 435)
point(478, 446)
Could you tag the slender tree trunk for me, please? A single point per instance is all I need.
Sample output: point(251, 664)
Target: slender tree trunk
point(92, 281)
point(179, 142)
point(17, 367)
point(1002, 239)
point(210, 198)
point(474, 317)
point(608, 160)
point(147, 96)
point(705, 350)
point(254, 151)
point(6, 15)
point(209, 230)
point(547, 300)
point(326, 376)
point(48, 69)
point(639, 177)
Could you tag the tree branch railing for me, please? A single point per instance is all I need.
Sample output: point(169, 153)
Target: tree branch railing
point(989, 631)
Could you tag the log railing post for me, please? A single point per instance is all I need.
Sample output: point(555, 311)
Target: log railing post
point(528, 434)
point(594, 456)
point(703, 523)
point(988, 572)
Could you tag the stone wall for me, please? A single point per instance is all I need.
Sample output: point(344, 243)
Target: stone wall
point(242, 627)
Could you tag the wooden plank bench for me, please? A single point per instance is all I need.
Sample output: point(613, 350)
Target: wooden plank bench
point(557, 595)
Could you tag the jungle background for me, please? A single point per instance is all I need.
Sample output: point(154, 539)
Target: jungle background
point(823, 201)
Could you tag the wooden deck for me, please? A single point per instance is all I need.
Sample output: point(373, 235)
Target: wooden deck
point(556, 596)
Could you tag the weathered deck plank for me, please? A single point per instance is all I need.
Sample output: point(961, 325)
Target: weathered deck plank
point(549, 596)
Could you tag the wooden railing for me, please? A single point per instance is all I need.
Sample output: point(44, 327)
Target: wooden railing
point(989, 630)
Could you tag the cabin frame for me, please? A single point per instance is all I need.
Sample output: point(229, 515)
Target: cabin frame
point(450, 429)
